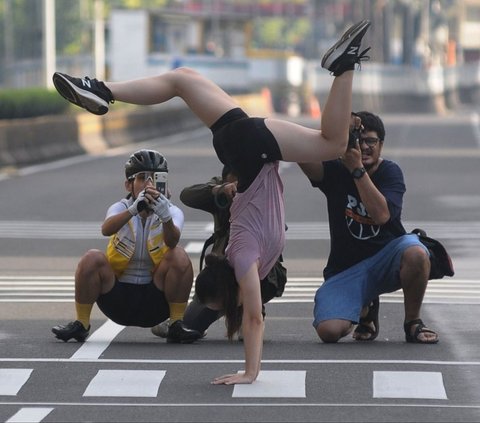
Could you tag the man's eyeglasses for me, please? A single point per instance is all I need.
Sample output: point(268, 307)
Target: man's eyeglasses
point(370, 141)
point(142, 176)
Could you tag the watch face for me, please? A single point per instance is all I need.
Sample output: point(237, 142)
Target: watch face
point(358, 172)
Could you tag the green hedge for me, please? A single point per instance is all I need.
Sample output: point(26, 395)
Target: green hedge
point(30, 102)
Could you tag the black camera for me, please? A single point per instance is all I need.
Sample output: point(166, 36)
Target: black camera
point(353, 137)
point(142, 205)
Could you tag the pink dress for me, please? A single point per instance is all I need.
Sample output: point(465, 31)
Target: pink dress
point(257, 230)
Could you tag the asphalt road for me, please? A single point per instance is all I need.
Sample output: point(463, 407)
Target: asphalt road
point(51, 214)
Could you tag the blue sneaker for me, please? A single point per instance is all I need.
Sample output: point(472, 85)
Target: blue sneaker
point(345, 53)
point(89, 94)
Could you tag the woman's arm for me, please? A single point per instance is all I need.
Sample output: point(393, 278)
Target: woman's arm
point(252, 329)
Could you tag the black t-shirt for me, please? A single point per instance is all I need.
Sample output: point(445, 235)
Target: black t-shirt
point(353, 235)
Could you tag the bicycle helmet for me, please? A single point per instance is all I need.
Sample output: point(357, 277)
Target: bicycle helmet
point(145, 161)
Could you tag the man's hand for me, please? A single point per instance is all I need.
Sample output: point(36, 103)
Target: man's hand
point(229, 190)
point(161, 207)
point(223, 194)
point(355, 123)
point(355, 130)
point(352, 157)
point(133, 209)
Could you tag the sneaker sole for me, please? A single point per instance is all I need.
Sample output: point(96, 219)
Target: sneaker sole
point(185, 341)
point(339, 48)
point(66, 339)
point(82, 98)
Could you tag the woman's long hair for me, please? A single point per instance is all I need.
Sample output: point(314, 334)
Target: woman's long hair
point(216, 283)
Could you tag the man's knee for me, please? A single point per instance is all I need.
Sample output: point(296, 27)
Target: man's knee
point(416, 259)
point(330, 331)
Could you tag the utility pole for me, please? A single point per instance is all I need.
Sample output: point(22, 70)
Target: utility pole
point(8, 41)
point(99, 39)
point(49, 46)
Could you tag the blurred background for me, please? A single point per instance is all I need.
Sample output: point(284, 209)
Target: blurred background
point(431, 46)
point(424, 58)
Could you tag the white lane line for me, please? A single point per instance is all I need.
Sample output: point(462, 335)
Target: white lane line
point(285, 361)
point(192, 231)
point(12, 380)
point(98, 342)
point(274, 384)
point(30, 415)
point(125, 383)
point(243, 404)
point(416, 385)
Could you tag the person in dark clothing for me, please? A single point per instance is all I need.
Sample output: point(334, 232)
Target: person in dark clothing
point(370, 253)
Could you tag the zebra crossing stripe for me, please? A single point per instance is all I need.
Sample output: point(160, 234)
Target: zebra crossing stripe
point(12, 380)
point(426, 385)
point(274, 384)
point(125, 383)
point(30, 415)
point(98, 342)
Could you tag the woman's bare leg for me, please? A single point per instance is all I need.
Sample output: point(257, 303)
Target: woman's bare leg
point(206, 99)
point(301, 144)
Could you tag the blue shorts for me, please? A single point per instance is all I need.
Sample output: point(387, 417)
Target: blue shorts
point(344, 295)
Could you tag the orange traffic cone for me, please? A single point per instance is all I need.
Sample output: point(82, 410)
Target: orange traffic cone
point(315, 111)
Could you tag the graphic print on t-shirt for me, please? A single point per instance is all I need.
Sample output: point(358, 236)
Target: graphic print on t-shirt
point(359, 223)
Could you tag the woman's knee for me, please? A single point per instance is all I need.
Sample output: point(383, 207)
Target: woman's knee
point(185, 72)
point(177, 257)
point(92, 260)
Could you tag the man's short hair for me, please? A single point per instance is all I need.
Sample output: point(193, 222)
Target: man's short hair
point(372, 122)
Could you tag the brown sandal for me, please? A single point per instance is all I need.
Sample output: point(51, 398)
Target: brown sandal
point(364, 323)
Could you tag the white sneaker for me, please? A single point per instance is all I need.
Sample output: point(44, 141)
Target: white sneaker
point(161, 330)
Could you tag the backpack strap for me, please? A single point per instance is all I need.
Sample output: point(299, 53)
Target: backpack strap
point(207, 243)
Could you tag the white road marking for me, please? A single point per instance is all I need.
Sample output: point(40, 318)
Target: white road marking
point(30, 415)
point(416, 385)
point(201, 230)
point(274, 384)
point(231, 361)
point(12, 380)
point(194, 247)
point(419, 405)
point(125, 383)
point(35, 289)
point(98, 342)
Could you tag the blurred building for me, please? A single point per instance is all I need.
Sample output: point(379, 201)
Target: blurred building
point(242, 44)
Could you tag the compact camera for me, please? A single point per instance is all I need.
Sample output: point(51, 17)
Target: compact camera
point(161, 182)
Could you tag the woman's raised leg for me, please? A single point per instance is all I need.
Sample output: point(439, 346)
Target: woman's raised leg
point(206, 99)
point(301, 144)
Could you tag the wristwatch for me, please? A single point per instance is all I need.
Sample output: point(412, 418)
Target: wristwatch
point(358, 172)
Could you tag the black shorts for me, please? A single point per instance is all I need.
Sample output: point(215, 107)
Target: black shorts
point(245, 144)
point(134, 305)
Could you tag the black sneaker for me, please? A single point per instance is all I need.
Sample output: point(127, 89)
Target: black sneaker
point(90, 94)
point(178, 333)
point(345, 53)
point(71, 330)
